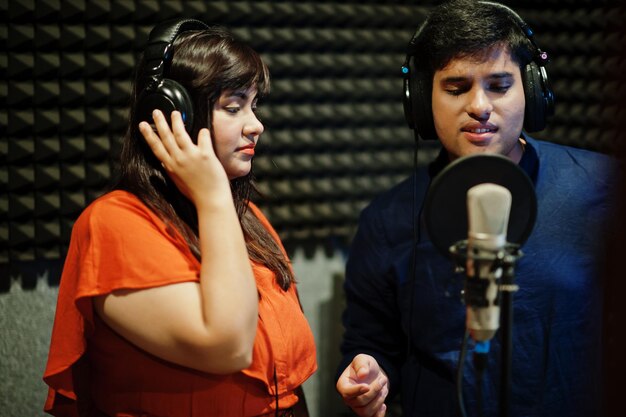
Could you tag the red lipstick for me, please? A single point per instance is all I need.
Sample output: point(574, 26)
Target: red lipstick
point(248, 149)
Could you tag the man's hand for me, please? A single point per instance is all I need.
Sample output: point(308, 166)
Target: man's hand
point(364, 386)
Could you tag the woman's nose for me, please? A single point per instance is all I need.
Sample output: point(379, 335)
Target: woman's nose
point(253, 126)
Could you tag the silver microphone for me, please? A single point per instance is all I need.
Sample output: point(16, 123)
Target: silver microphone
point(488, 208)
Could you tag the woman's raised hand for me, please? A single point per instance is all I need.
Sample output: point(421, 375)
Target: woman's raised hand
point(195, 169)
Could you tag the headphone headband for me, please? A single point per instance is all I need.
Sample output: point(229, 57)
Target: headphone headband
point(160, 92)
point(541, 57)
point(158, 51)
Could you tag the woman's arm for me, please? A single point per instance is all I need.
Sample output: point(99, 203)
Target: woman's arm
point(211, 325)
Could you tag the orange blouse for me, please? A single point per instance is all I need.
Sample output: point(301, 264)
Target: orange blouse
point(117, 242)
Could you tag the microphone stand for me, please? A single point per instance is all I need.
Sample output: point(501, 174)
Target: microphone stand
point(505, 259)
point(507, 288)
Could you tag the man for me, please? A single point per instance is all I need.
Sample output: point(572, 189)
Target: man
point(475, 81)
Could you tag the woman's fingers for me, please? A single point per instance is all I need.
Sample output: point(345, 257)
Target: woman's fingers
point(174, 136)
point(164, 132)
point(154, 142)
point(194, 169)
point(167, 142)
point(204, 141)
point(180, 133)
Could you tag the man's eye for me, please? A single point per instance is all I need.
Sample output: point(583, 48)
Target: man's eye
point(455, 91)
point(500, 88)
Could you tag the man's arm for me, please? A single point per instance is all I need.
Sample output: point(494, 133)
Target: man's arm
point(371, 319)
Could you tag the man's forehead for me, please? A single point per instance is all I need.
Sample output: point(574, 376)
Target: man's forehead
point(491, 61)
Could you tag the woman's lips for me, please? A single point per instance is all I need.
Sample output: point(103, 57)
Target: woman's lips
point(248, 150)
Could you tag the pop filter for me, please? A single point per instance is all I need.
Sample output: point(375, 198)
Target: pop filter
point(445, 208)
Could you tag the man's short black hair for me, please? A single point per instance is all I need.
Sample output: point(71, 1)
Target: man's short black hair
point(470, 29)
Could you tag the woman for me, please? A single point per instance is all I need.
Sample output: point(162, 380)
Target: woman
point(177, 298)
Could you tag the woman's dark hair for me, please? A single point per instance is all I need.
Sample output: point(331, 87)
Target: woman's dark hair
point(206, 63)
point(470, 29)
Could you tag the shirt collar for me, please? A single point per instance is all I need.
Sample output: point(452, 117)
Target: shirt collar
point(529, 162)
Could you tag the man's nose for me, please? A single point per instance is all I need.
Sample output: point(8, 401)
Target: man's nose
point(479, 105)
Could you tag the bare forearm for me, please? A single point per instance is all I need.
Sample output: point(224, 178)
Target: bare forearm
point(228, 289)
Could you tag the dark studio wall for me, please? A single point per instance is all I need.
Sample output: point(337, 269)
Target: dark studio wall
point(615, 285)
point(335, 131)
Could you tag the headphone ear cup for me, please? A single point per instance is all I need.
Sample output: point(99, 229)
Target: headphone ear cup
point(167, 96)
point(535, 109)
point(420, 87)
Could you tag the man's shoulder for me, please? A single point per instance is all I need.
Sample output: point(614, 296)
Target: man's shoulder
point(552, 149)
point(576, 158)
point(581, 167)
point(398, 196)
point(389, 213)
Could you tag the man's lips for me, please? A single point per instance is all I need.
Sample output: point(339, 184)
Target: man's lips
point(479, 133)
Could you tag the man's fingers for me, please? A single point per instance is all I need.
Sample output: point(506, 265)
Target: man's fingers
point(381, 411)
point(364, 387)
point(348, 386)
point(351, 391)
point(361, 365)
point(377, 392)
point(371, 406)
point(366, 367)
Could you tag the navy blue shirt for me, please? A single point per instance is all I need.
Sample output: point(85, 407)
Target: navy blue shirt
point(414, 326)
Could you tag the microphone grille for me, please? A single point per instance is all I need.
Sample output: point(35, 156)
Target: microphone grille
point(488, 208)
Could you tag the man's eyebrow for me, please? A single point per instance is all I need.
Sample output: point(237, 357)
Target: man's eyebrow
point(460, 79)
point(454, 79)
point(499, 75)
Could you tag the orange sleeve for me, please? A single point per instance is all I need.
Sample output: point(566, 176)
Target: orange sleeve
point(117, 242)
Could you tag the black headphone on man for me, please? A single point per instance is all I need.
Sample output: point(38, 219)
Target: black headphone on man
point(161, 92)
point(418, 86)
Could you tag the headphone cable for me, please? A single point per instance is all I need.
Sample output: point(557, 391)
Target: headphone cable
point(413, 264)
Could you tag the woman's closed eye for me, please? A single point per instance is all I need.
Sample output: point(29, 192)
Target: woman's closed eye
point(232, 109)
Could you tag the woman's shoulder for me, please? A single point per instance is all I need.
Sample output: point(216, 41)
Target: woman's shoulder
point(116, 200)
point(117, 210)
point(114, 204)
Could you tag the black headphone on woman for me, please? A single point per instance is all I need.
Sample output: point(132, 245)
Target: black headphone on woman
point(418, 86)
point(161, 92)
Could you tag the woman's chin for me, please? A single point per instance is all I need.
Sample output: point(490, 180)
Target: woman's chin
point(238, 173)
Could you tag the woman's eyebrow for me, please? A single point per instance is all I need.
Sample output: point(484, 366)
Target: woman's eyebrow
point(240, 93)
